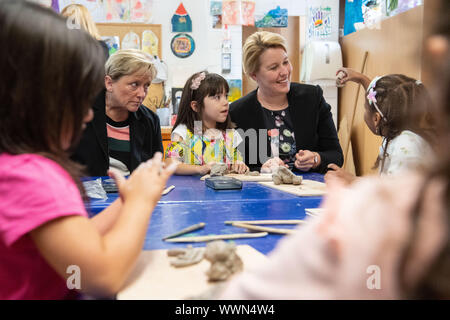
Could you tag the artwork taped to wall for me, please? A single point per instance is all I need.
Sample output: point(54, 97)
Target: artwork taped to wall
point(150, 42)
point(238, 12)
point(320, 22)
point(235, 89)
point(215, 8)
point(275, 18)
point(181, 21)
point(182, 45)
point(131, 41)
point(106, 11)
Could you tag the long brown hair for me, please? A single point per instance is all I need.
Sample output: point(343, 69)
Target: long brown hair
point(49, 78)
point(210, 86)
point(405, 104)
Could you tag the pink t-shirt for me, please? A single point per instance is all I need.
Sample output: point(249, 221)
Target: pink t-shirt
point(33, 190)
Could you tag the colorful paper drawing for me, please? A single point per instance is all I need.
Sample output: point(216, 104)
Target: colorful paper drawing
point(215, 8)
point(353, 14)
point(319, 24)
point(141, 10)
point(117, 11)
point(113, 43)
point(231, 12)
point(373, 12)
point(248, 12)
point(182, 45)
point(150, 42)
point(235, 89)
point(181, 22)
point(277, 18)
point(131, 41)
point(217, 22)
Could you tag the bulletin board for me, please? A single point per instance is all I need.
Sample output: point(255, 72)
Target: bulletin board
point(121, 29)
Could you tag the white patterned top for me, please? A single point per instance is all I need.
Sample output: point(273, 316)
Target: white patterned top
point(406, 151)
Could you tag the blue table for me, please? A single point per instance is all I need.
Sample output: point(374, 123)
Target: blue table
point(192, 202)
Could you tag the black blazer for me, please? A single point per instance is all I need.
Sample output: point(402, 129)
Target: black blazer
point(145, 139)
point(313, 124)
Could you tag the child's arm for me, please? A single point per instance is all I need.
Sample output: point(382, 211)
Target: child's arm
point(347, 74)
point(106, 219)
point(337, 173)
point(175, 150)
point(105, 260)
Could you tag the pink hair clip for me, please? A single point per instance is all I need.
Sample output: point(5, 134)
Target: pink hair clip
point(197, 80)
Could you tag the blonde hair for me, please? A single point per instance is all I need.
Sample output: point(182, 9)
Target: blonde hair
point(256, 44)
point(128, 61)
point(82, 18)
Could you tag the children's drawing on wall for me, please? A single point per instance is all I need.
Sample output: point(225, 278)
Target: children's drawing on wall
point(373, 12)
point(181, 21)
point(117, 11)
point(320, 22)
point(113, 43)
point(235, 89)
point(231, 12)
point(217, 22)
point(238, 12)
point(141, 10)
point(248, 12)
point(215, 10)
point(131, 41)
point(353, 16)
point(182, 45)
point(277, 17)
point(394, 7)
point(150, 42)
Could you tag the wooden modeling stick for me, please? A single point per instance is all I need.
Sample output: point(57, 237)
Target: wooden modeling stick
point(186, 230)
point(167, 190)
point(265, 229)
point(268, 222)
point(219, 237)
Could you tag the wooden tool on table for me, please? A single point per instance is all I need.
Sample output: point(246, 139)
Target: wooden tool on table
point(219, 237)
point(265, 229)
point(167, 190)
point(268, 222)
point(186, 230)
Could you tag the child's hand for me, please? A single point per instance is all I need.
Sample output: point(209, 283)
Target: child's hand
point(346, 74)
point(337, 173)
point(146, 182)
point(239, 167)
point(205, 169)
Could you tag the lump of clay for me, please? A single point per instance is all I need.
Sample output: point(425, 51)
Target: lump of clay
point(252, 173)
point(218, 169)
point(186, 257)
point(224, 260)
point(285, 176)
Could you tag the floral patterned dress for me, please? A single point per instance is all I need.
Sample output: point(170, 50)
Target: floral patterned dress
point(281, 135)
point(213, 146)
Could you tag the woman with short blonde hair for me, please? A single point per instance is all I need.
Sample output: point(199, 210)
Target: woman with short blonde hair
point(124, 132)
point(300, 130)
point(128, 61)
point(256, 44)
